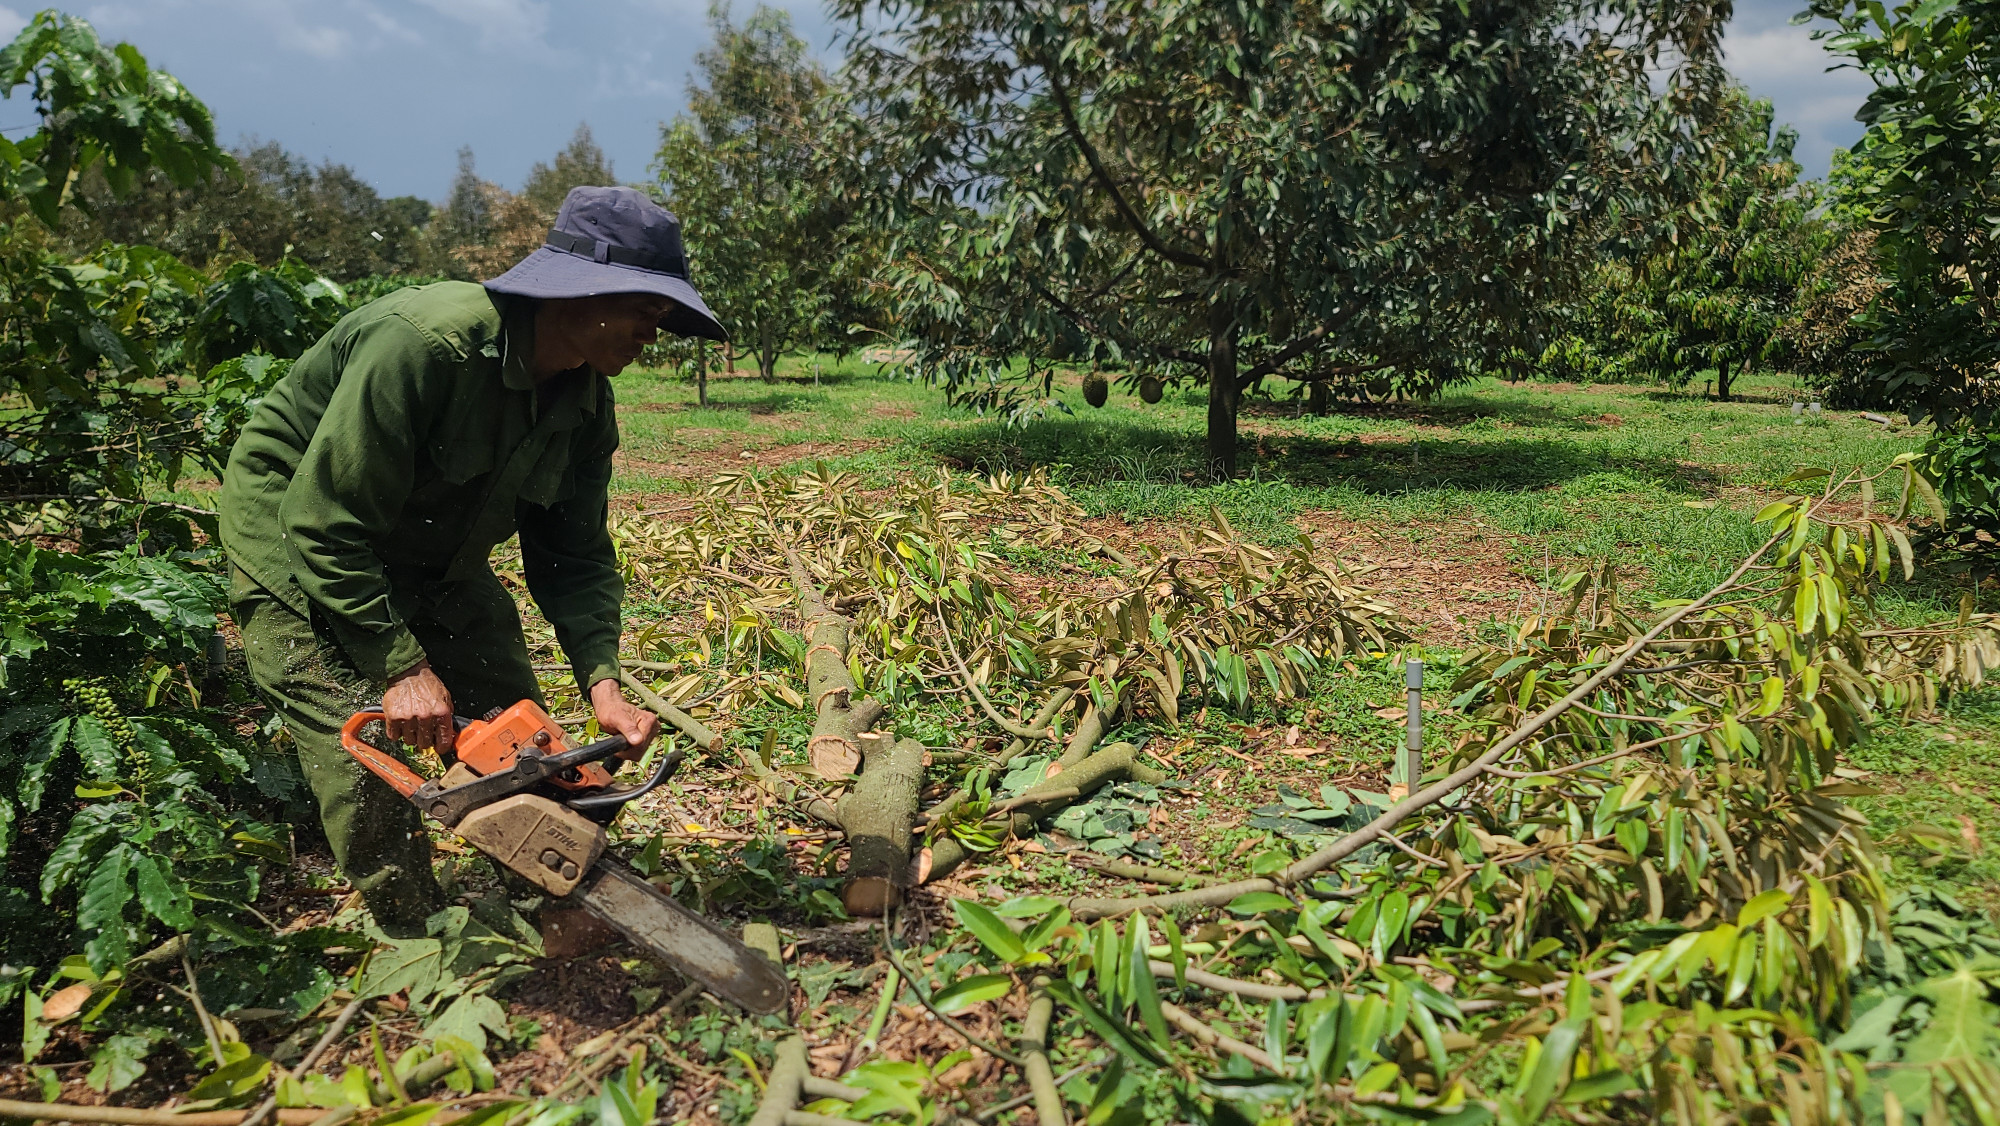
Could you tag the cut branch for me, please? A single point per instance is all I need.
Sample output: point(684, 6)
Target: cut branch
point(684, 723)
point(1034, 1045)
point(1436, 792)
point(1187, 1022)
point(1115, 763)
point(781, 1092)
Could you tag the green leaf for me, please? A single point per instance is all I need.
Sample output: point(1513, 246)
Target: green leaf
point(1258, 902)
point(165, 897)
point(469, 1019)
point(42, 752)
point(1874, 1028)
point(101, 907)
point(1602, 1085)
point(992, 933)
point(1395, 912)
point(118, 1062)
point(1552, 1067)
point(102, 757)
point(1962, 1022)
point(34, 1034)
point(1027, 906)
point(1763, 906)
point(235, 1083)
point(1432, 1036)
point(969, 991)
point(415, 1114)
point(1108, 1028)
point(413, 964)
point(1140, 987)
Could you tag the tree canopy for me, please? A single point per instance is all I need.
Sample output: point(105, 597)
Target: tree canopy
point(752, 170)
point(1227, 193)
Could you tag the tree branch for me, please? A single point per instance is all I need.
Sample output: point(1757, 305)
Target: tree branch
point(1297, 348)
point(1085, 322)
point(1110, 186)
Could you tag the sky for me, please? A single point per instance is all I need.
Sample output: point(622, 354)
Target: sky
point(393, 88)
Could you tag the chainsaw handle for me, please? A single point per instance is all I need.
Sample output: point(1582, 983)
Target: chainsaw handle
point(613, 799)
point(596, 752)
point(383, 765)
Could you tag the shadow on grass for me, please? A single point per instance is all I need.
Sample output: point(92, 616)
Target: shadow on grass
point(777, 402)
point(1093, 453)
point(1740, 398)
point(1448, 413)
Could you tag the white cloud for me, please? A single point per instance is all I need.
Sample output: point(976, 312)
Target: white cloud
point(11, 22)
point(1796, 72)
point(1787, 61)
point(508, 23)
point(318, 41)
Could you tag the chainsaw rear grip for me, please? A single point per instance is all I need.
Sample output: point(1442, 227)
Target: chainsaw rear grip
point(382, 764)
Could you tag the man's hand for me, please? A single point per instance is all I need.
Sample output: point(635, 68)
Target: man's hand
point(416, 708)
point(617, 716)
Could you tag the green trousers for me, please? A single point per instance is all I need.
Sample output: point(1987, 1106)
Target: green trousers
point(470, 631)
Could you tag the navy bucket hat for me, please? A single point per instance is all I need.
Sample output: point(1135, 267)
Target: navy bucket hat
point(613, 240)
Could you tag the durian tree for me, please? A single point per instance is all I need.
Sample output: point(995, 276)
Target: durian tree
point(1231, 193)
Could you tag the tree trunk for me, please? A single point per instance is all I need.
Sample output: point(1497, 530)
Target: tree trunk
point(1319, 398)
point(767, 353)
point(729, 357)
point(701, 372)
point(1222, 392)
point(1722, 381)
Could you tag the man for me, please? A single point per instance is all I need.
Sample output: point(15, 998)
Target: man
point(367, 491)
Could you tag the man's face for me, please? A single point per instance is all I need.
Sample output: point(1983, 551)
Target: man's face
point(610, 331)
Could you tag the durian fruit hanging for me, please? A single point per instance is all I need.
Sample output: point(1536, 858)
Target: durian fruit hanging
point(1151, 389)
point(1096, 389)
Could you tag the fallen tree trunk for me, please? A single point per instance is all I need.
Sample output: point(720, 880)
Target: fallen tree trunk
point(839, 719)
point(1088, 731)
point(879, 816)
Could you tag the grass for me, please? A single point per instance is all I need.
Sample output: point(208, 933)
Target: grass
point(1471, 504)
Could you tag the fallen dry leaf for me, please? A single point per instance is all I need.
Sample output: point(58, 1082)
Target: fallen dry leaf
point(66, 1002)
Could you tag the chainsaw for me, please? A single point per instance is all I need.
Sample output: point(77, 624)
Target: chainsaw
point(520, 794)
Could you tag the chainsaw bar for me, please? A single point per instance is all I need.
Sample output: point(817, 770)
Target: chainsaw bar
point(699, 949)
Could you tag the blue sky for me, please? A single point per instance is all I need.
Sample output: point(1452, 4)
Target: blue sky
point(392, 88)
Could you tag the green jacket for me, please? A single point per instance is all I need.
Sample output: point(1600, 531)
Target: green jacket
point(405, 445)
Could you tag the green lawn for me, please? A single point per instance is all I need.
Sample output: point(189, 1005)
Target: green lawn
point(1468, 506)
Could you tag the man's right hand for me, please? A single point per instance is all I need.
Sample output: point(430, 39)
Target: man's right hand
point(416, 708)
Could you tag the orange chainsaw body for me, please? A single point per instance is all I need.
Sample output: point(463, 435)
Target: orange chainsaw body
point(488, 745)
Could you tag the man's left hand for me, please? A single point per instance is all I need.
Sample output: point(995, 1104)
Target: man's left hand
point(617, 716)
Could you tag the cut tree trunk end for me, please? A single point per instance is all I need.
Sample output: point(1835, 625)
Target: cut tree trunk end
point(879, 817)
